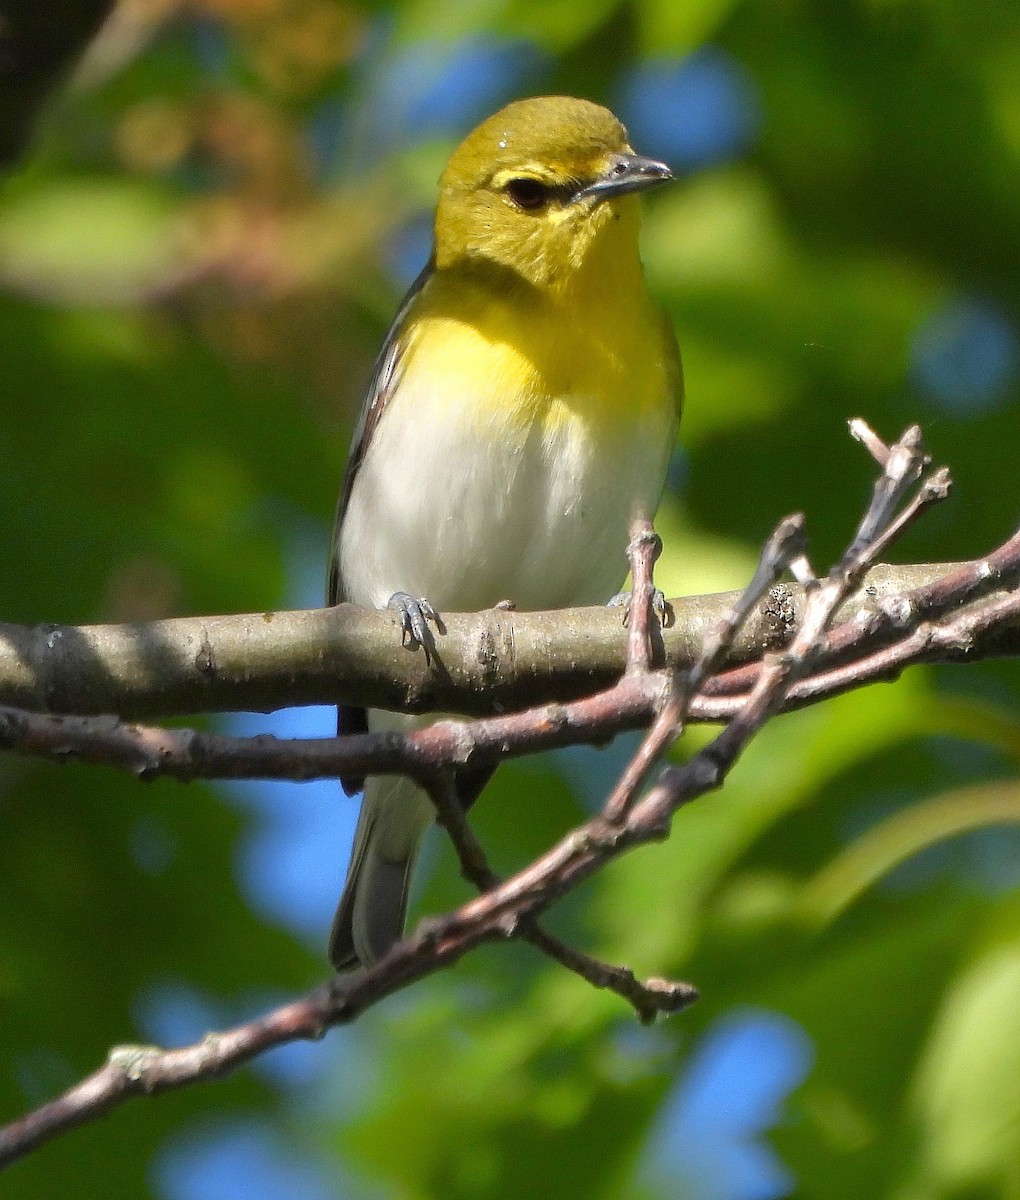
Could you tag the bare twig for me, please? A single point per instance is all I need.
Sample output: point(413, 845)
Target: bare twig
point(785, 543)
point(890, 633)
point(894, 611)
point(474, 864)
point(38, 45)
point(642, 551)
point(651, 999)
point(902, 465)
point(884, 638)
point(658, 996)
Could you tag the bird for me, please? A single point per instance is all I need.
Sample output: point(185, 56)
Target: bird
point(522, 412)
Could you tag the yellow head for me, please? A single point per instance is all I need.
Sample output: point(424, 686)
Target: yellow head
point(543, 189)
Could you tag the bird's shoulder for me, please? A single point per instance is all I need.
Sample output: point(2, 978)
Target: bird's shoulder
point(381, 386)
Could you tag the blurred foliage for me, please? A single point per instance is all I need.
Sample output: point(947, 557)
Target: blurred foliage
point(197, 260)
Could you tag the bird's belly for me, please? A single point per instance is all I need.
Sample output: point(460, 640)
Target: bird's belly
point(470, 504)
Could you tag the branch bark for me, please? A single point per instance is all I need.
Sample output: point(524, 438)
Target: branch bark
point(39, 40)
point(948, 615)
point(493, 661)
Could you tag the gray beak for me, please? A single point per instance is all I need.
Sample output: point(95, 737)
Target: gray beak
point(626, 173)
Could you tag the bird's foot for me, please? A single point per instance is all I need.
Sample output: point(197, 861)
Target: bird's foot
point(415, 615)
point(660, 606)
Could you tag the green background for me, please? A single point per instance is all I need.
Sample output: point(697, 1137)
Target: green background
point(198, 257)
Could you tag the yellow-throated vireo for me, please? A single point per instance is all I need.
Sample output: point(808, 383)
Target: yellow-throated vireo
point(522, 412)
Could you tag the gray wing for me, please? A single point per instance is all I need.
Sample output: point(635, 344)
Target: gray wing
point(380, 389)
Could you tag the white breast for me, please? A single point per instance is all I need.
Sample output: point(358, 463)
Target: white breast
point(468, 511)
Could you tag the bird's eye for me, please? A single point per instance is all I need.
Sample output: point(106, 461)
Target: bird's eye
point(528, 193)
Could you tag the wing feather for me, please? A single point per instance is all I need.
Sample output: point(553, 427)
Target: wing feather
point(385, 375)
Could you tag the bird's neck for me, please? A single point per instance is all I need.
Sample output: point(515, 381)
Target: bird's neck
point(591, 334)
point(575, 275)
point(609, 272)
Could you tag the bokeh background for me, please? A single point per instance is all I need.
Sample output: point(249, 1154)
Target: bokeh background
point(199, 254)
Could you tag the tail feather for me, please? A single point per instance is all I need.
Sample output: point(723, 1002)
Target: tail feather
point(370, 916)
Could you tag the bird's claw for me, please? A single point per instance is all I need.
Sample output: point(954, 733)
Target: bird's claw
point(414, 615)
point(660, 606)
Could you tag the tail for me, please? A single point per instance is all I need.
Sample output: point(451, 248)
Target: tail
point(370, 916)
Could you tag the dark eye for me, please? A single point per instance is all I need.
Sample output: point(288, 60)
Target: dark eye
point(528, 193)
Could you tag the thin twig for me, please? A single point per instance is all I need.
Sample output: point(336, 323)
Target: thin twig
point(786, 542)
point(902, 465)
point(650, 1000)
point(872, 624)
point(510, 908)
point(643, 549)
point(474, 864)
point(658, 996)
point(866, 649)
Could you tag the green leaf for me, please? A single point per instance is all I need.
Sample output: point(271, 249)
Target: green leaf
point(967, 1090)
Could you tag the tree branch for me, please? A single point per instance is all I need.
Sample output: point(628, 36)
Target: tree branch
point(948, 615)
point(39, 40)
point(884, 634)
point(487, 662)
